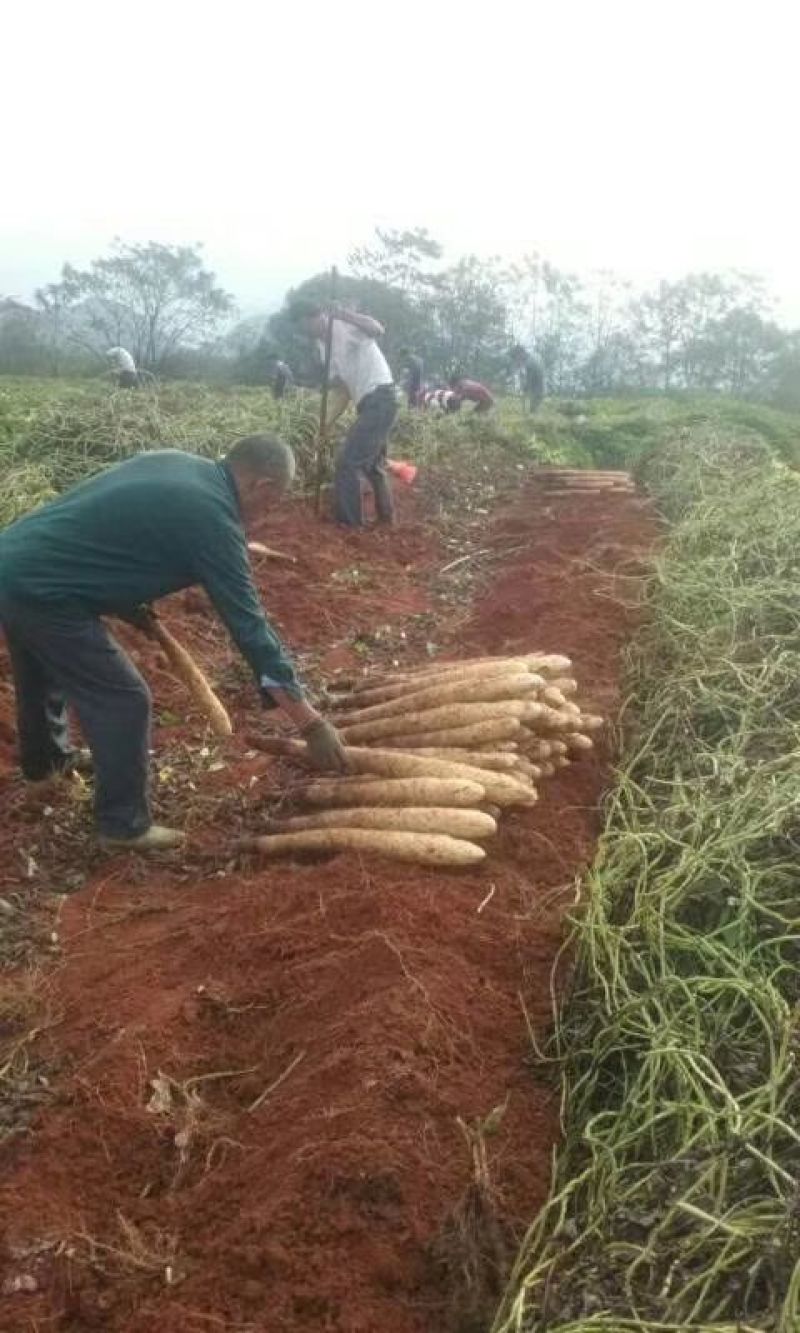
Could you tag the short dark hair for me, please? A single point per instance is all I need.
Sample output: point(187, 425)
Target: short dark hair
point(264, 456)
point(302, 307)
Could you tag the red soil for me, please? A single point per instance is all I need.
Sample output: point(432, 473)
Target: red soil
point(375, 1004)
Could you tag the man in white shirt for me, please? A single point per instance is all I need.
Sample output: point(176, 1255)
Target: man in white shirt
point(125, 366)
point(360, 373)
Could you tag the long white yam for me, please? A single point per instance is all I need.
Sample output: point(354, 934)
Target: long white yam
point(493, 730)
point(577, 741)
point(566, 684)
point(501, 789)
point(424, 790)
point(431, 849)
point(187, 670)
point(457, 823)
point(437, 719)
point(591, 722)
point(497, 760)
point(484, 689)
point(377, 690)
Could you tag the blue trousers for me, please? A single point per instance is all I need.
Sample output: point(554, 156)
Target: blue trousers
point(60, 657)
point(364, 453)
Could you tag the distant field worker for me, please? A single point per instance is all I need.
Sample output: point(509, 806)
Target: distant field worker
point(125, 366)
point(439, 400)
point(361, 375)
point(413, 379)
point(156, 523)
point(281, 379)
point(532, 375)
point(472, 391)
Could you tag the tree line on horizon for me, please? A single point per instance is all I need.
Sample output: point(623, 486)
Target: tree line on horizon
point(594, 335)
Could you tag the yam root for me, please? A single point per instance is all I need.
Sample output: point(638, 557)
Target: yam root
point(187, 670)
point(483, 689)
point(480, 733)
point(433, 849)
point(394, 791)
point(458, 823)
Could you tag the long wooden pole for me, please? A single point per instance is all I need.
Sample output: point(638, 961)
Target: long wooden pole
point(323, 409)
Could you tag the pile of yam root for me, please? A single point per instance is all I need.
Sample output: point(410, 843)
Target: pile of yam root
point(435, 755)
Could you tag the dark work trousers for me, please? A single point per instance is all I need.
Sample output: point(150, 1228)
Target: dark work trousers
point(364, 453)
point(60, 657)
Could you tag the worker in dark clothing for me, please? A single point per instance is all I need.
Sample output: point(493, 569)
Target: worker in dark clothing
point(413, 377)
point(472, 391)
point(280, 377)
point(147, 527)
point(532, 372)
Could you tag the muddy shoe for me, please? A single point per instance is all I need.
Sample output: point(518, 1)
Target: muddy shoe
point(156, 839)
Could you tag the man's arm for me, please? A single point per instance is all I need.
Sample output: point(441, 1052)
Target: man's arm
point(365, 323)
point(223, 569)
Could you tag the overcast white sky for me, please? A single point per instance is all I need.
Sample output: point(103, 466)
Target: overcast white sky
point(653, 138)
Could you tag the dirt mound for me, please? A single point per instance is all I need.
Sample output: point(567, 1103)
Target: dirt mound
point(275, 1082)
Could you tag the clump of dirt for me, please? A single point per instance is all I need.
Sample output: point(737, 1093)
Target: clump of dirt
point(277, 1082)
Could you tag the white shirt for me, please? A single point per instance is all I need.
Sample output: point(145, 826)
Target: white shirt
point(356, 360)
point(122, 359)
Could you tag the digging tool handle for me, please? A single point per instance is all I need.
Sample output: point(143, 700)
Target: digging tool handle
point(326, 380)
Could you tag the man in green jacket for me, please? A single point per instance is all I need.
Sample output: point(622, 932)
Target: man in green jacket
point(147, 527)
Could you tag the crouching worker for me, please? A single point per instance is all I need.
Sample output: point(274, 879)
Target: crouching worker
point(152, 525)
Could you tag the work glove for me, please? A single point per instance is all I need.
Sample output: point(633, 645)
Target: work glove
point(325, 750)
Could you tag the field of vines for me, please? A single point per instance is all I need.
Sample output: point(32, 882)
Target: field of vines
point(676, 1203)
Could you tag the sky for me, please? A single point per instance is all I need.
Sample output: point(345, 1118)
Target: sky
point(651, 138)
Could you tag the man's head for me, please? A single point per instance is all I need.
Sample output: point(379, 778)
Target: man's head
point(263, 468)
point(308, 314)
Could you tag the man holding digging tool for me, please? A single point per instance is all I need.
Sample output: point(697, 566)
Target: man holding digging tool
point(155, 524)
point(358, 373)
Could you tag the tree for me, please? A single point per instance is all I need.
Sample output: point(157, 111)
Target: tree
point(400, 259)
point(153, 299)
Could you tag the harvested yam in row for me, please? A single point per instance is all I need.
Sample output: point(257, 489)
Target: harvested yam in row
point(492, 731)
point(447, 716)
point(500, 761)
point(458, 823)
point(577, 741)
point(483, 689)
point(376, 690)
point(501, 788)
point(432, 849)
point(545, 664)
point(394, 791)
point(566, 684)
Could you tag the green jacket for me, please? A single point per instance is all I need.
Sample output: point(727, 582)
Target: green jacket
point(152, 525)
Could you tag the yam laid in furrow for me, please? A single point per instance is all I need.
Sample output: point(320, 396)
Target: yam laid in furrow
point(430, 849)
point(500, 761)
point(577, 741)
point(539, 662)
point(423, 790)
point(375, 690)
point(438, 719)
point(493, 732)
point(485, 689)
point(566, 684)
point(458, 823)
point(501, 789)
